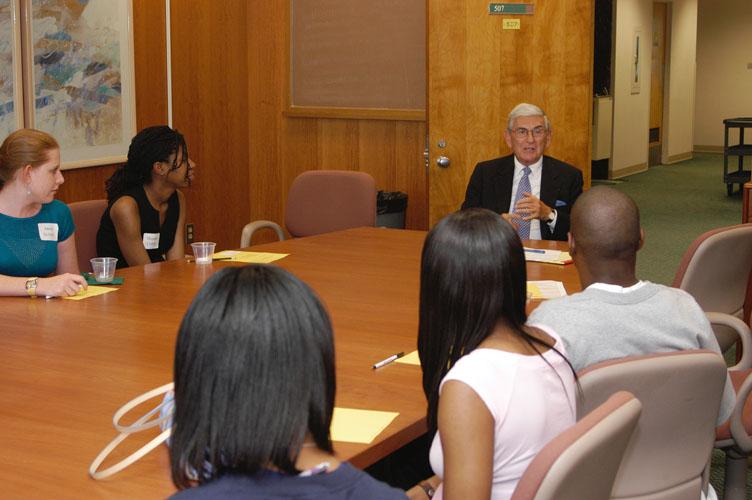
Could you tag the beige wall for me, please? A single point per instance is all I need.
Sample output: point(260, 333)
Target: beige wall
point(724, 83)
point(632, 111)
point(629, 152)
point(678, 111)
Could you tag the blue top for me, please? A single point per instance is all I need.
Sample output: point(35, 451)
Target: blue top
point(28, 245)
point(343, 483)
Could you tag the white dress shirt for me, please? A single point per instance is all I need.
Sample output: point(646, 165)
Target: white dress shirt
point(536, 170)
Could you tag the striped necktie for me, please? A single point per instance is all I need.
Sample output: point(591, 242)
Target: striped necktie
point(523, 226)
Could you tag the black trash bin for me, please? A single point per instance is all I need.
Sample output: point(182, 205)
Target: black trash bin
point(390, 209)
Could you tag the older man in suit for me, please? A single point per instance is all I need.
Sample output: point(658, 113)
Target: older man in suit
point(532, 191)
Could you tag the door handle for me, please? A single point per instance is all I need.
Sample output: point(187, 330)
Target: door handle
point(443, 162)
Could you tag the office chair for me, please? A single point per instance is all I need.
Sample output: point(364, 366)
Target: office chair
point(680, 394)
point(321, 201)
point(86, 217)
point(716, 271)
point(582, 461)
point(734, 437)
point(746, 203)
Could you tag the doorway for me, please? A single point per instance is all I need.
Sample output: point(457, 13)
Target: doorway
point(657, 80)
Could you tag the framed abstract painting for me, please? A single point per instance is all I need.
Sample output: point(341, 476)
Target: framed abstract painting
point(11, 89)
point(79, 77)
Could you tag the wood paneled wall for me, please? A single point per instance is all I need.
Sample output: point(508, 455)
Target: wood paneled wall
point(556, 73)
point(229, 70)
point(210, 106)
point(281, 147)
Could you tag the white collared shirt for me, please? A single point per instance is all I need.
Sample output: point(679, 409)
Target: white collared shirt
point(608, 287)
point(536, 173)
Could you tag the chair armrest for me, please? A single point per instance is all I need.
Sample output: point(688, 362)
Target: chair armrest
point(742, 331)
point(252, 227)
point(742, 440)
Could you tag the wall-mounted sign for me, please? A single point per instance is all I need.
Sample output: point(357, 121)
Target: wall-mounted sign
point(511, 8)
point(510, 24)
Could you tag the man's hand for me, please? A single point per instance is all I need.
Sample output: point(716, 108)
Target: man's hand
point(530, 207)
point(513, 218)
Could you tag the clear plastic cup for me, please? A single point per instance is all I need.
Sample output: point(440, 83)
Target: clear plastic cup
point(203, 251)
point(104, 268)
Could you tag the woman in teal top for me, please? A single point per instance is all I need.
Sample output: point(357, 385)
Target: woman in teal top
point(37, 245)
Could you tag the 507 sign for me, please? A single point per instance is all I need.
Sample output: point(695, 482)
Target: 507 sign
point(511, 8)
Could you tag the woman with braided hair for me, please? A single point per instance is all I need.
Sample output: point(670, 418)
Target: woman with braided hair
point(145, 218)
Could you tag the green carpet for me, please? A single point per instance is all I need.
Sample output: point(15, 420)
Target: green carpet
point(678, 203)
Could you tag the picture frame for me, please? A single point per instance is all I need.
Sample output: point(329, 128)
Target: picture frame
point(79, 83)
point(636, 61)
point(11, 84)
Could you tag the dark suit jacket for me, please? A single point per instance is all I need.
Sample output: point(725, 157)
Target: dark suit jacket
point(490, 187)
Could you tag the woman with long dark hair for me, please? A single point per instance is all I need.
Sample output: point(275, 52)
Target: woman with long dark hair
point(254, 394)
point(145, 218)
point(498, 388)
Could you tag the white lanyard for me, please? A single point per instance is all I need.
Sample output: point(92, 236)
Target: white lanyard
point(164, 409)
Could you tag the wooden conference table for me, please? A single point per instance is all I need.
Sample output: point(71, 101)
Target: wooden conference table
point(66, 366)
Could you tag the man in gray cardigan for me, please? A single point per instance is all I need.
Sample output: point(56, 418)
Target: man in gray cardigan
point(617, 315)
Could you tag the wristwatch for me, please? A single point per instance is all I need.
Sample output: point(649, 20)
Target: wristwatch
point(551, 216)
point(31, 286)
point(427, 488)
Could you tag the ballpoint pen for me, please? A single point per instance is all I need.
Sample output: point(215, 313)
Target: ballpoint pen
point(388, 360)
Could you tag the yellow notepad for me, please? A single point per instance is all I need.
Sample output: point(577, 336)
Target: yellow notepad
point(359, 426)
point(410, 359)
point(92, 291)
point(547, 256)
point(545, 289)
point(249, 257)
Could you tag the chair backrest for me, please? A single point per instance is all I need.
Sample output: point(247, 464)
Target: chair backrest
point(86, 217)
point(716, 271)
point(582, 461)
point(746, 202)
point(680, 394)
point(321, 201)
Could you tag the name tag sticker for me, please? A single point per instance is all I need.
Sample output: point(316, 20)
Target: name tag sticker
point(151, 241)
point(48, 231)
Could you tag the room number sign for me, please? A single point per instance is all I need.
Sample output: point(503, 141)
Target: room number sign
point(511, 8)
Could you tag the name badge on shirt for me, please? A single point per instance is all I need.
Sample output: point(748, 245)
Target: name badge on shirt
point(48, 231)
point(151, 241)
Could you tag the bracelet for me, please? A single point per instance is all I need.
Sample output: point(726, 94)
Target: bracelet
point(427, 489)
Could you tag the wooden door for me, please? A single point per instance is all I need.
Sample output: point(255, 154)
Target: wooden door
point(657, 72)
point(478, 71)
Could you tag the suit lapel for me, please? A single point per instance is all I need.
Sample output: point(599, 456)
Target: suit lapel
point(503, 184)
point(548, 184)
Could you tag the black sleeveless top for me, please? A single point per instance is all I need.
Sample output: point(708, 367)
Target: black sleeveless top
point(107, 243)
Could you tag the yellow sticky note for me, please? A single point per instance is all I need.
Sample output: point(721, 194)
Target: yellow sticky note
point(510, 24)
point(359, 426)
point(410, 359)
point(92, 291)
point(249, 257)
point(545, 289)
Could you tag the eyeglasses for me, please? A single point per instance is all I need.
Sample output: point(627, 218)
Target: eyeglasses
point(522, 132)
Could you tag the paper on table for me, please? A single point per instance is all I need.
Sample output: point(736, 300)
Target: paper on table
point(545, 289)
point(359, 426)
point(547, 256)
point(409, 359)
point(92, 291)
point(249, 257)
